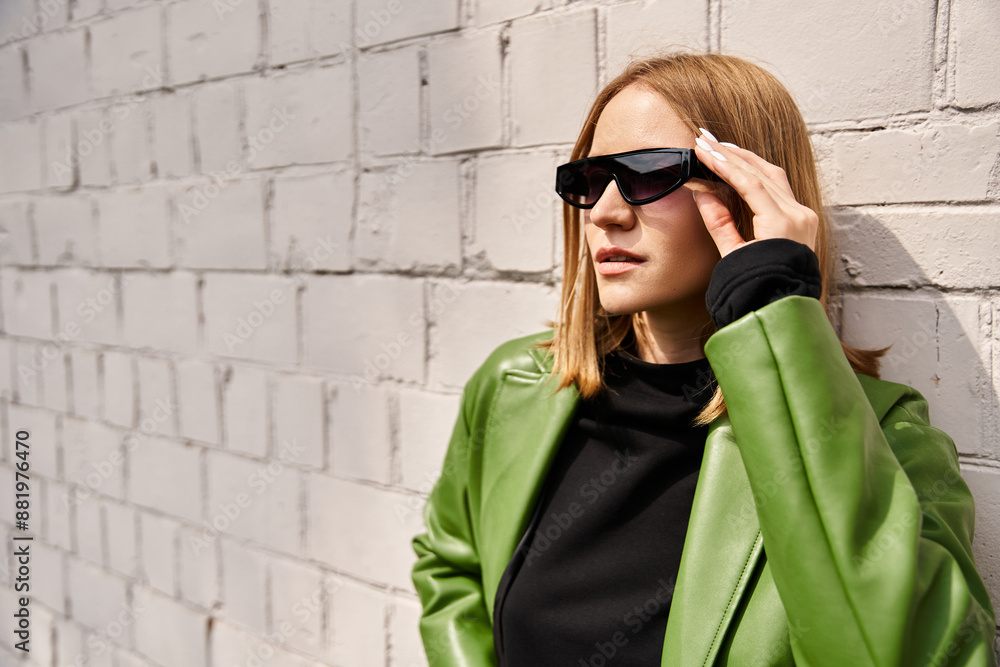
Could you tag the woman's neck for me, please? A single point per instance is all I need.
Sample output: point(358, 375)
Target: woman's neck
point(662, 339)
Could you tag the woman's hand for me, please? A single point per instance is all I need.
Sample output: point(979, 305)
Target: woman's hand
point(765, 188)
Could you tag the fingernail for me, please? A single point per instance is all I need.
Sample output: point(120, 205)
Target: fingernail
point(704, 144)
point(708, 134)
point(694, 193)
point(719, 156)
point(726, 143)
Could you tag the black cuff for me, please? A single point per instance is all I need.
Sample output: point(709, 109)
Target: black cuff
point(757, 274)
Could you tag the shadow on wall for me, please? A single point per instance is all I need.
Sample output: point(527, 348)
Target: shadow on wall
point(910, 277)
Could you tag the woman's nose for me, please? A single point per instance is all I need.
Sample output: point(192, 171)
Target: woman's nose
point(612, 209)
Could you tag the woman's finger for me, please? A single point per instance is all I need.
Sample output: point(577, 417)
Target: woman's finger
point(759, 195)
point(719, 222)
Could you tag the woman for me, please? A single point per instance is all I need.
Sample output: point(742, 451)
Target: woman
point(691, 468)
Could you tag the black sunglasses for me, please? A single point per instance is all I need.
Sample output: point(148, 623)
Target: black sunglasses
point(642, 176)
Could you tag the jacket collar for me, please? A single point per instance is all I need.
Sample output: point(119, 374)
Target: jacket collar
point(723, 542)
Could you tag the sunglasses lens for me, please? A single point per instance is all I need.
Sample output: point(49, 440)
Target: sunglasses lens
point(582, 184)
point(640, 176)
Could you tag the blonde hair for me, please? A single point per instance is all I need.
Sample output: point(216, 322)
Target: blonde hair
point(738, 102)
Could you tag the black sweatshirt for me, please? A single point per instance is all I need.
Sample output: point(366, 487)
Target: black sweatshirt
point(593, 577)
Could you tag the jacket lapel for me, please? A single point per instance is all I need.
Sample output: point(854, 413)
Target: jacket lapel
point(721, 549)
point(525, 427)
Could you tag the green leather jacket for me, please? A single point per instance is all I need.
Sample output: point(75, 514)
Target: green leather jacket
point(830, 523)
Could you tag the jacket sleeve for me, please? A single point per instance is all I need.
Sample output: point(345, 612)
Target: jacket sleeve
point(867, 525)
point(455, 625)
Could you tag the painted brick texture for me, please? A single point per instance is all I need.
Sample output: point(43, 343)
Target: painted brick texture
point(251, 250)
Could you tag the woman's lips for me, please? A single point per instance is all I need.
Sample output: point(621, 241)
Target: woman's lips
point(614, 268)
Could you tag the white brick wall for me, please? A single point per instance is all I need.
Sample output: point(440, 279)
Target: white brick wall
point(251, 251)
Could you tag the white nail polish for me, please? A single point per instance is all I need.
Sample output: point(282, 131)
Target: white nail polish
point(726, 143)
point(703, 144)
point(708, 134)
point(719, 156)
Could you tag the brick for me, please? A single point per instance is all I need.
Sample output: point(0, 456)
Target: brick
point(6, 369)
point(358, 621)
point(96, 597)
point(25, 298)
point(172, 145)
point(28, 365)
point(360, 435)
point(497, 12)
point(86, 394)
point(119, 521)
point(985, 486)
point(43, 624)
point(199, 568)
point(57, 526)
point(244, 401)
point(244, 585)
point(222, 226)
point(159, 549)
point(204, 43)
point(466, 95)
point(67, 233)
point(54, 383)
point(406, 645)
point(59, 75)
point(299, 601)
point(92, 150)
point(23, 22)
point(389, 95)
point(472, 319)
point(49, 589)
point(69, 640)
point(157, 408)
point(13, 96)
point(929, 163)
point(162, 647)
point(198, 395)
point(88, 305)
point(548, 105)
point(385, 338)
point(251, 317)
point(92, 457)
point(58, 134)
point(119, 392)
point(123, 242)
point(126, 52)
point(217, 121)
point(910, 246)
point(514, 224)
point(131, 145)
point(824, 72)
point(299, 416)
point(299, 29)
point(409, 218)
point(345, 539)
point(86, 8)
point(154, 460)
point(312, 220)
point(20, 156)
point(307, 125)
point(961, 382)
point(425, 424)
point(87, 519)
point(233, 646)
point(264, 497)
point(160, 312)
point(16, 245)
point(639, 29)
point(380, 21)
point(973, 30)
